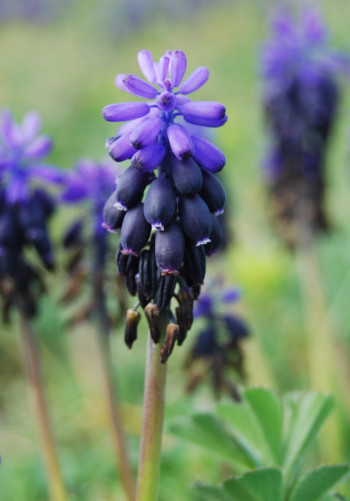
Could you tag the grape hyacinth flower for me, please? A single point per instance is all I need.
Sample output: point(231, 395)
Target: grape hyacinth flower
point(169, 195)
point(301, 95)
point(25, 209)
point(217, 350)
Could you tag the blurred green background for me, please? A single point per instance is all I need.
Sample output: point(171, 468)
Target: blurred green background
point(63, 65)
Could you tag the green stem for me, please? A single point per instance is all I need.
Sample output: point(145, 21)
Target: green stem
point(110, 389)
point(152, 425)
point(31, 351)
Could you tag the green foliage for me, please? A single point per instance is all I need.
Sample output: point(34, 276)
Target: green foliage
point(268, 440)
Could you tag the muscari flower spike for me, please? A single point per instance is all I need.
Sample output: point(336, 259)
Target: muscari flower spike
point(301, 95)
point(25, 208)
point(169, 195)
point(217, 349)
point(85, 240)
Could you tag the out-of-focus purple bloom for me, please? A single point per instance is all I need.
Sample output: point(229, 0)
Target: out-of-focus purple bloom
point(91, 183)
point(218, 343)
point(301, 93)
point(24, 208)
point(167, 151)
point(22, 154)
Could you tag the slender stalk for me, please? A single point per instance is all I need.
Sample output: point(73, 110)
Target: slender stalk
point(152, 425)
point(110, 390)
point(31, 352)
point(320, 344)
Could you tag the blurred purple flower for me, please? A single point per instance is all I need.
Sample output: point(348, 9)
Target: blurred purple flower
point(24, 208)
point(218, 342)
point(301, 95)
point(22, 152)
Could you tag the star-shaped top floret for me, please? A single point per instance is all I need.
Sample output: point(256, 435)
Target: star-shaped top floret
point(151, 126)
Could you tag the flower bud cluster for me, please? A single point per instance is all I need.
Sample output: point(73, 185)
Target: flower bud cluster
point(217, 348)
point(300, 100)
point(167, 201)
point(24, 209)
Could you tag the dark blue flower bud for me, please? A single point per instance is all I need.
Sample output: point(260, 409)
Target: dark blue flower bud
point(8, 229)
point(236, 327)
point(73, 235)
point(130, 188)
point(30, 215)
point(135, 231)
point(125, 262)
point(206, 343)
point(148, 158)
point(194, 264)
point(46, 200)
point(165, 291)
point(112, 216)
point(215, 237)
point(40, 239)
point(213, 193)
point(148, 274)
point(169, 249)
point(187, 176)
point(160, 203)
point(195, 219)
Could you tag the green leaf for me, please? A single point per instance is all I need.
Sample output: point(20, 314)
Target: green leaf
point(238, 491)
point(317, 483)
point(207, 431)
point(245, 428)
point(306, 414)
point(268, 412)
point(211, 493)
point(266, 483)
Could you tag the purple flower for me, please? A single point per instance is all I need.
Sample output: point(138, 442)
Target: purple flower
point(24, 208)
point(300, 94)
point(169, 169)
point(163, 79)
point(218, 341)
point(22, 153)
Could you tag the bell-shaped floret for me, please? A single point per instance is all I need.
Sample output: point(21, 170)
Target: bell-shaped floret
point(147, 275)
point(213, 193)
point(135, 231)
point(130, 188)
point(40, 240)
point(186, 176)
point(170, 249)
point(8, 230)
point(160, 203)
point(194, 264)
point(112, 216)
point(207, 154)
point(215, 237)
point(195, 219)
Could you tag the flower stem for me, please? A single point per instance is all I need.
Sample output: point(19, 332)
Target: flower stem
point(31, 352)
point(110, 390)
point(152, 425)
